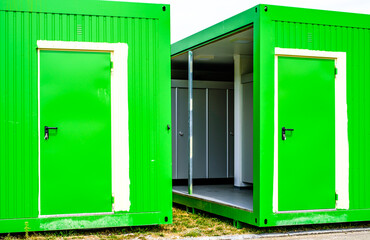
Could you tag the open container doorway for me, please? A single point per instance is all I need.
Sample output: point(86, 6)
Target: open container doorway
point(222, 121)
point(278, 92)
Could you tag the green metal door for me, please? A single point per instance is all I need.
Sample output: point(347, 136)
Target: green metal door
point(306, 157)
point(75, 160)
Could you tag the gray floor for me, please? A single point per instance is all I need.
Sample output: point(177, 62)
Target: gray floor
point(223, 194)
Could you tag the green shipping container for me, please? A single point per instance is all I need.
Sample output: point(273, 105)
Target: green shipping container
point(281, 108)
point(84, 115)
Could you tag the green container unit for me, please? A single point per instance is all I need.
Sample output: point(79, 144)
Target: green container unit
point(301, 98)
point(84, 115)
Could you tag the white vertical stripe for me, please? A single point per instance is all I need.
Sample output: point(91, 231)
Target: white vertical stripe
point(38, 126)
point(276, 141)
point(120, 134)
point(341, 135)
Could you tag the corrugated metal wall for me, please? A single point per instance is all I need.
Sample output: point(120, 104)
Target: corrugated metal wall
point(356, 42)
point(18, 101)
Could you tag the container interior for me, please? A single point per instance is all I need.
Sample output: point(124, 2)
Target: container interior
point(222, 121)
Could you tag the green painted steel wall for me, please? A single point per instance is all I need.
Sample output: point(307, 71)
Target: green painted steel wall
point(356, 43)
point(315, 30)
point(148, 40)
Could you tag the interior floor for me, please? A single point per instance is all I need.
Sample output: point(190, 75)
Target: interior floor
point(222, 194)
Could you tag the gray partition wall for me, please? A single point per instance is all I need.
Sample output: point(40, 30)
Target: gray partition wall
point(213, 121)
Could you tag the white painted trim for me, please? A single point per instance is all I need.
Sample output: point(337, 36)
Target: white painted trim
point(80, 46)
point(341, 123)
point(119, 113)
point(38, 125)
point(275, 198)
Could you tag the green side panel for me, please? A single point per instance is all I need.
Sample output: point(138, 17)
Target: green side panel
point(301, 29)
point(75, 159)
point(82, 222)
point(355, 42)
point(149, 97)
point(89, 7)
point(306, 158)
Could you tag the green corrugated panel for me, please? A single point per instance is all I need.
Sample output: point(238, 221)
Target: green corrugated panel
point(149, 101)
point(354, 41)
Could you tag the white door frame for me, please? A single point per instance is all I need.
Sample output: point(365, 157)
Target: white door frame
point(341, 124)
point(119, 117)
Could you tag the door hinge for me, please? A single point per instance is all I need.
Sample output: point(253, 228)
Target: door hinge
point(112, 200)
point(336, 197)
point(335, 71)
point(111, 65)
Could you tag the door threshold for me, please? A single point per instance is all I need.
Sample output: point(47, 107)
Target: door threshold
point(75, 215)
point(306, 211)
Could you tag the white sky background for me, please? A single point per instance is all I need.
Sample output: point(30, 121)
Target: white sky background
point(191, 16)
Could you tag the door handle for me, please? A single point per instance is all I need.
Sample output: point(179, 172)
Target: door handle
point(283, 130)
point(46, 128)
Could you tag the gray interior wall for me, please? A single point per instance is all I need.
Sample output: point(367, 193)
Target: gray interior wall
point(182, 133)
point(213, 122)
point(174, 131)
point(199, 133)
point(217, 133)
point(247, 135)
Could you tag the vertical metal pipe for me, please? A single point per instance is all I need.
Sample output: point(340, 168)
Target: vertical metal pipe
point(227, 133)
point(190, 108)
point(207, 133)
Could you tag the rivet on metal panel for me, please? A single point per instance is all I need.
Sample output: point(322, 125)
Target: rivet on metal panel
point(265, 8)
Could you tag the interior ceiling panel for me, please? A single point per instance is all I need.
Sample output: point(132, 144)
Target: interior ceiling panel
point(222, 51)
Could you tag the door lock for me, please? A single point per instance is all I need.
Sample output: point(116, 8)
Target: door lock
point(47, 131)
point(181, 133)
point(283, 132)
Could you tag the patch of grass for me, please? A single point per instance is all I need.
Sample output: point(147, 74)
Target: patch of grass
point(185, 224)
point(192, 233)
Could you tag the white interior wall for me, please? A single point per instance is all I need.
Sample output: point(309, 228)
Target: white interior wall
point(243, 126)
